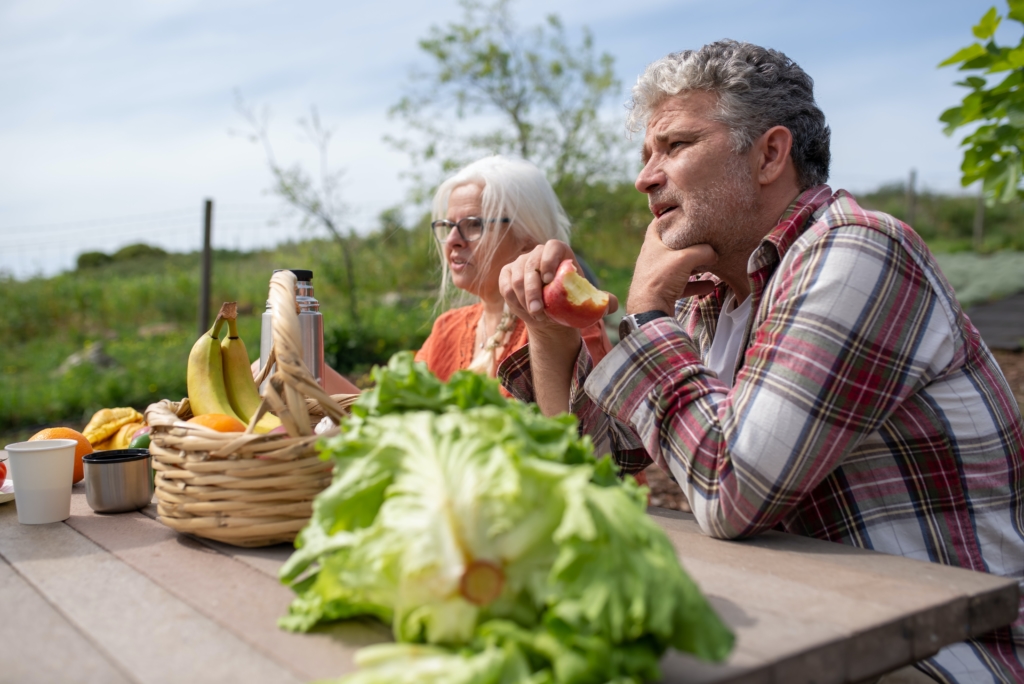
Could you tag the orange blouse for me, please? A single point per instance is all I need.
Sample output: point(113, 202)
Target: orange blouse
point(450, 345)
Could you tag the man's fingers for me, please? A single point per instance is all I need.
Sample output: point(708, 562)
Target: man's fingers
point(613, 303)
point(700, 257)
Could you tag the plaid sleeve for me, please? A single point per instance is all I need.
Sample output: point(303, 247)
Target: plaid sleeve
point(849, 328)
point(609, 435)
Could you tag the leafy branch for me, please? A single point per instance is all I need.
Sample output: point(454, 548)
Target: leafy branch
point(994, 151)
point(316, 198)
point(494, 88)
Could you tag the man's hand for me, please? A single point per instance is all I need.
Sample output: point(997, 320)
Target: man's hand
point(662, 275)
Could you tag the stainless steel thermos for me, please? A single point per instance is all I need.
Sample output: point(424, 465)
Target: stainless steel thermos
point(311, 323)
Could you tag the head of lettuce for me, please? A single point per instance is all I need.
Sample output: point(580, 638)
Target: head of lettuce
point(493, 542)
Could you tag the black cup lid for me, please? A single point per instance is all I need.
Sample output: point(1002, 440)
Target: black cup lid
point(116, 456)
point(301, 274)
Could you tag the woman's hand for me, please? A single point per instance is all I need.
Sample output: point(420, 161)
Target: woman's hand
point(553, 347)
point(522, 283)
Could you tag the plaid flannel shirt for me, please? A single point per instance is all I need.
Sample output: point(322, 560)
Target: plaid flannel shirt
point(866, 409)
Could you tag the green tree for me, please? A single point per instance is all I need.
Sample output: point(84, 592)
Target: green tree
point(994, 107)
point(316, 197)
point(493, 88)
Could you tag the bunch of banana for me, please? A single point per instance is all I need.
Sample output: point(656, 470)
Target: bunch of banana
point(219, 376)
point(112, 428)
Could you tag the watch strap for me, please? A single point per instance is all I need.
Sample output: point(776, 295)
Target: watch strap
point(647, 317)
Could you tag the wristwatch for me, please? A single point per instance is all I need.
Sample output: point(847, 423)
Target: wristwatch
point(632, 322)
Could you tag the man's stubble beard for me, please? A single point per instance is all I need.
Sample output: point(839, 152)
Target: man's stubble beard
point(719, 215)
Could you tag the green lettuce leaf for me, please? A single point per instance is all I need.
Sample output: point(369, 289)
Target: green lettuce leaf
point(439, 485)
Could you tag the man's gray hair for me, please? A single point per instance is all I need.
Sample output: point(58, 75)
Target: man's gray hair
point(757, 88)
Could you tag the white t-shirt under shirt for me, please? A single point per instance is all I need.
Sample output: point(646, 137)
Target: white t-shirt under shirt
point(729, 339)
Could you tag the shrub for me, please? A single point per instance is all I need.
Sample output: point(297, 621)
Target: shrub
point(88, 260)
point(138, 251)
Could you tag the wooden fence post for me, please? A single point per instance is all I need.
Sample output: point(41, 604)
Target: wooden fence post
point(979, 221)
point(911, 198)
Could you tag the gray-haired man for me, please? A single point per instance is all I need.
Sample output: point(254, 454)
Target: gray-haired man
point(793, 360)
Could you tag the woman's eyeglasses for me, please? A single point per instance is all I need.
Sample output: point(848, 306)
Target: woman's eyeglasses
point(470, 228)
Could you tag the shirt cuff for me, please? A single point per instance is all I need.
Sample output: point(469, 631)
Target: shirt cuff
point(658, 352)
point(517, 378)
point(515, 375)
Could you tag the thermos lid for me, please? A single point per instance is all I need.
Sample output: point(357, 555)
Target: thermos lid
point(301, 274)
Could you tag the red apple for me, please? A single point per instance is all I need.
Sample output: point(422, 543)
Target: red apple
point(571, 300)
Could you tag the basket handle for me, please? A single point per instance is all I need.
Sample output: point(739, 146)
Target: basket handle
point(292, 382)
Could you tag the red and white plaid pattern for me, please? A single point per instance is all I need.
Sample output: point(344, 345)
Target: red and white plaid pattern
point(866, 409)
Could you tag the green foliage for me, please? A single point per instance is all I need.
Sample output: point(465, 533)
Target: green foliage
point(92, 260)
point(545, 91)
point(946, 221)
point(44, 320)
point(138, 251)
point(316, 198)
point(980, 278)
point(994, 148)
point(470, 521)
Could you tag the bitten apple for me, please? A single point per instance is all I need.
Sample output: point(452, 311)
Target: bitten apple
point(571, 300)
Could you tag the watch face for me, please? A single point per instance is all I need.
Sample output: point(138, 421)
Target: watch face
point(625, 327)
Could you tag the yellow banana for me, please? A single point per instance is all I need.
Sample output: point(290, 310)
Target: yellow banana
point(242, 391)
point(206, 390)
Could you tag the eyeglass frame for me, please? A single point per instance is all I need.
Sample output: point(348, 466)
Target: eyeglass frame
point(455, 224)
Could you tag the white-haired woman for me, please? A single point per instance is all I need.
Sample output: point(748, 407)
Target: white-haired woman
point(484, 217)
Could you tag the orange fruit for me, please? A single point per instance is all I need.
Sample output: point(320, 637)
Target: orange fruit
point(219, 422)
point(83, 448)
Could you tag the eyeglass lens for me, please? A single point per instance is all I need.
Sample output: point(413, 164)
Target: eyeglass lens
point(470, 228)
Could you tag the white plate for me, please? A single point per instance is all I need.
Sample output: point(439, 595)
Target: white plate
point(7, 491)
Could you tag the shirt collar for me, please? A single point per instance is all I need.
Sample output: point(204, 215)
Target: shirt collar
point(790, 226)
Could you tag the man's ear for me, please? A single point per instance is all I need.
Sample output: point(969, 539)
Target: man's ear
point(773, 152)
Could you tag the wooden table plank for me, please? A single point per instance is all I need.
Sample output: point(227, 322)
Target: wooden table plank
point(149, 633)
point(805, 610)
point(47, 648)
point(240, 598)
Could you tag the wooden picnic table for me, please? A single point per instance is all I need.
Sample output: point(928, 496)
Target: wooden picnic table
point(122, 598)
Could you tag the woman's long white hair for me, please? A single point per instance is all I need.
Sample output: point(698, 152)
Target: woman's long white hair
point(513, 189)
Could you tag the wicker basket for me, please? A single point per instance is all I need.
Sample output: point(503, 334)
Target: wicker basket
point(248, 489)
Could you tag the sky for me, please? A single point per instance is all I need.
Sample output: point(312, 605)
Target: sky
point(116, 116)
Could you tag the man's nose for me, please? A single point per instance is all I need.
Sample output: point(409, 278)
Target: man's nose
point(650, 178)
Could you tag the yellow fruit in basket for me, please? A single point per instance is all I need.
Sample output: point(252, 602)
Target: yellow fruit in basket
point(106, 422)
point(123, 436)
point(205, 376)
point(82, 449)
point(243, 394)
point(219, 422)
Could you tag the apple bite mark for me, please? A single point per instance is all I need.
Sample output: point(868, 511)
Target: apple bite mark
point(571, 300)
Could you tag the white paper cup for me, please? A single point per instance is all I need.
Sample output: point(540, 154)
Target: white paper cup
point(42, 473)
